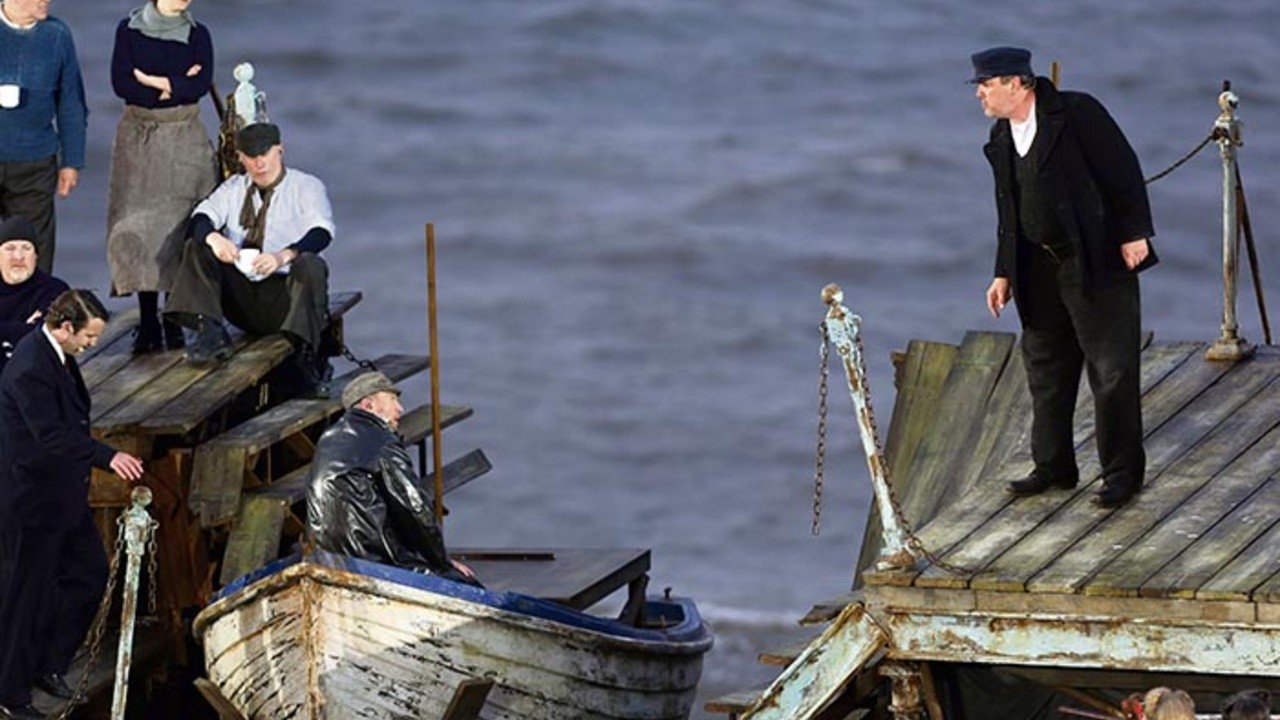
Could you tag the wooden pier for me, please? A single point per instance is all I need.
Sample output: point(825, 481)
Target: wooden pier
point(1180, 586)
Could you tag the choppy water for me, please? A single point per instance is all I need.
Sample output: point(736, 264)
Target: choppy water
point(637, 202)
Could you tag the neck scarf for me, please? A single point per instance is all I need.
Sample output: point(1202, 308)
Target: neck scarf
point(149, 21)
point(255, 224)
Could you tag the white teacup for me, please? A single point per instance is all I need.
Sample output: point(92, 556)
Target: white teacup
point(9, 96)
point(244, 262)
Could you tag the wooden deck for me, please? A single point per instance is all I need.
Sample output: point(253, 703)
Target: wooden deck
point(1204, 527)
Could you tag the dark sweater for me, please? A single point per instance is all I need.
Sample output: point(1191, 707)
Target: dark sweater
point(167, 58)
point(18, 302)
point(43, 57)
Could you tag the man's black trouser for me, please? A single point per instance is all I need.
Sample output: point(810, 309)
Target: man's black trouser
point(51, 582)
point(27, 190)
point(295, 303)
point(1066, 327)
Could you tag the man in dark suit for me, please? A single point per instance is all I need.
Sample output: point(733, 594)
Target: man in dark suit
point(1074, 231)
point(55, 567)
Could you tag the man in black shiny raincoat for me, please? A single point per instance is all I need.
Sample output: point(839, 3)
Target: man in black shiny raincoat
point(364, 498)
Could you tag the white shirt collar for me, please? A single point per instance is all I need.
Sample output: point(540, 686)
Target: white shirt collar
point(1024, 133)
point(13, 25)
point(62, 356)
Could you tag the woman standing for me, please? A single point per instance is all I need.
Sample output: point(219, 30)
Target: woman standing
point(162, 163)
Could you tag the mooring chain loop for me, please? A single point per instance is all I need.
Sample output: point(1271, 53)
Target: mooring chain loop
point(820, 456)
point(1214, 134)
point(351, 357)
point(913, 540)
point(99, 623)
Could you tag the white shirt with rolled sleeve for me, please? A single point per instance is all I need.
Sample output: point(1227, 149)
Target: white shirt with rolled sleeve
point(298, 204)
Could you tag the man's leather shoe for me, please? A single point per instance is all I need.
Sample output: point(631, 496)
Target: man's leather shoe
point(1036, 483)
point(55, 685)
point(21, 712)
point(1112, 496)
point(211, 345)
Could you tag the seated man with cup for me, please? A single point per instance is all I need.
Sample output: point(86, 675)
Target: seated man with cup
point(253, 259)
point(27, 290)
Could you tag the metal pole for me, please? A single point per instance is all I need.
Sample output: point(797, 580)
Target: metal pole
point(137, 529)
point(437, 454)
point(1227, 130)
point(842, 329)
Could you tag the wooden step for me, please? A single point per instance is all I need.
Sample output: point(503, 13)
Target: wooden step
point(827, 610)
point(229, 462)
point(735, 703)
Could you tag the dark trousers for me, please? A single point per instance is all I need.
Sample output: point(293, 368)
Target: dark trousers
point(1066, 329)
point(295, 303)
point(27, 190)
point(50, 587)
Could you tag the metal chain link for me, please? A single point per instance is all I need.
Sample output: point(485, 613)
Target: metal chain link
point(152, 575)
point(351, 357)
point(821, 455)
point(99, 624)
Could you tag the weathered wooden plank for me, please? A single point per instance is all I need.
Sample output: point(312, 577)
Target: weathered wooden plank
point(922, 377)
point(469, 699)
point(827, 610)
point(137, 374)
point(216, 483)
point(255, 538)
point(1160, 564)
point(1223, 564)
point(1014, 520)
point(149, 397)
point(1099, 536)
point(575, 577)
point(962, 404)
point(1006, 417)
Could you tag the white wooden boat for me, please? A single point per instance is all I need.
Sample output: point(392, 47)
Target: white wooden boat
point(327, 636)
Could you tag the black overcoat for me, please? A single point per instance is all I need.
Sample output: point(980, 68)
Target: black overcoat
point(45, 444)
point(1092, 176)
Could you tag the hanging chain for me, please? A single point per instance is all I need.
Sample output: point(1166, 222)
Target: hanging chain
point(820, 456)
point(152, 576)
point(351, 357)
point(99, 624)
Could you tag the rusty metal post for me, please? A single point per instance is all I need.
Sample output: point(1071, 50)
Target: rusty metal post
point(1227, 131)
point(907, 697)
point(138, 526)
point(842, 329)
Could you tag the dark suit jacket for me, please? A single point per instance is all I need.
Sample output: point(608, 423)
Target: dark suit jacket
point(1090, 174)
point(45, 448)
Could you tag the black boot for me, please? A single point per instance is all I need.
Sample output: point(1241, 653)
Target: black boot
point(173, 337)
point(147, 336)
point(212, 344)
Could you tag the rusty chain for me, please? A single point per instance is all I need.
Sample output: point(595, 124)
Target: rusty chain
point(152, 576)
point(99, 624)
point(913, 540)
point(820, 456)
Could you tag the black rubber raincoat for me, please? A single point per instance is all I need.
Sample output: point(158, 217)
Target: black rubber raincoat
point(365, 500)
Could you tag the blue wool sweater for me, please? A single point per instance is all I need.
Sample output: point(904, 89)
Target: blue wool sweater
point(42, 61)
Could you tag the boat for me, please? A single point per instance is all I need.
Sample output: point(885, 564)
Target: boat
point(319, 635)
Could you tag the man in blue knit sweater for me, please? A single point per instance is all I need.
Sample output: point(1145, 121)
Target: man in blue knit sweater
point(42, 117)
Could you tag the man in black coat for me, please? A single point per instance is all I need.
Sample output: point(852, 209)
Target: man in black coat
point(26, 290)
point(364, 498)
point(55, 567)
point(1074, 231)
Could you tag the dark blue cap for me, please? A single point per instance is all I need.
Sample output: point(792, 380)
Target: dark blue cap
point(1000, 62)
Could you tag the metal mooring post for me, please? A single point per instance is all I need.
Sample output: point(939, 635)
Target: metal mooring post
point(842, 329)
point(1227, 130)
point(137, 529)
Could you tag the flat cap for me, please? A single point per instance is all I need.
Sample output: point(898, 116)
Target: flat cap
point(254, 140)
point(364, 385)
point(1000, 62)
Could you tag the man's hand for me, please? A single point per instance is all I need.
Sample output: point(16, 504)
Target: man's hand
point(194, 70)
point(126, 466)
point(223, 249)
point(466, 571)
point(267, 263)
point(68, 178)
point(1134, 252)
point(998, 295)
point(34, 317)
